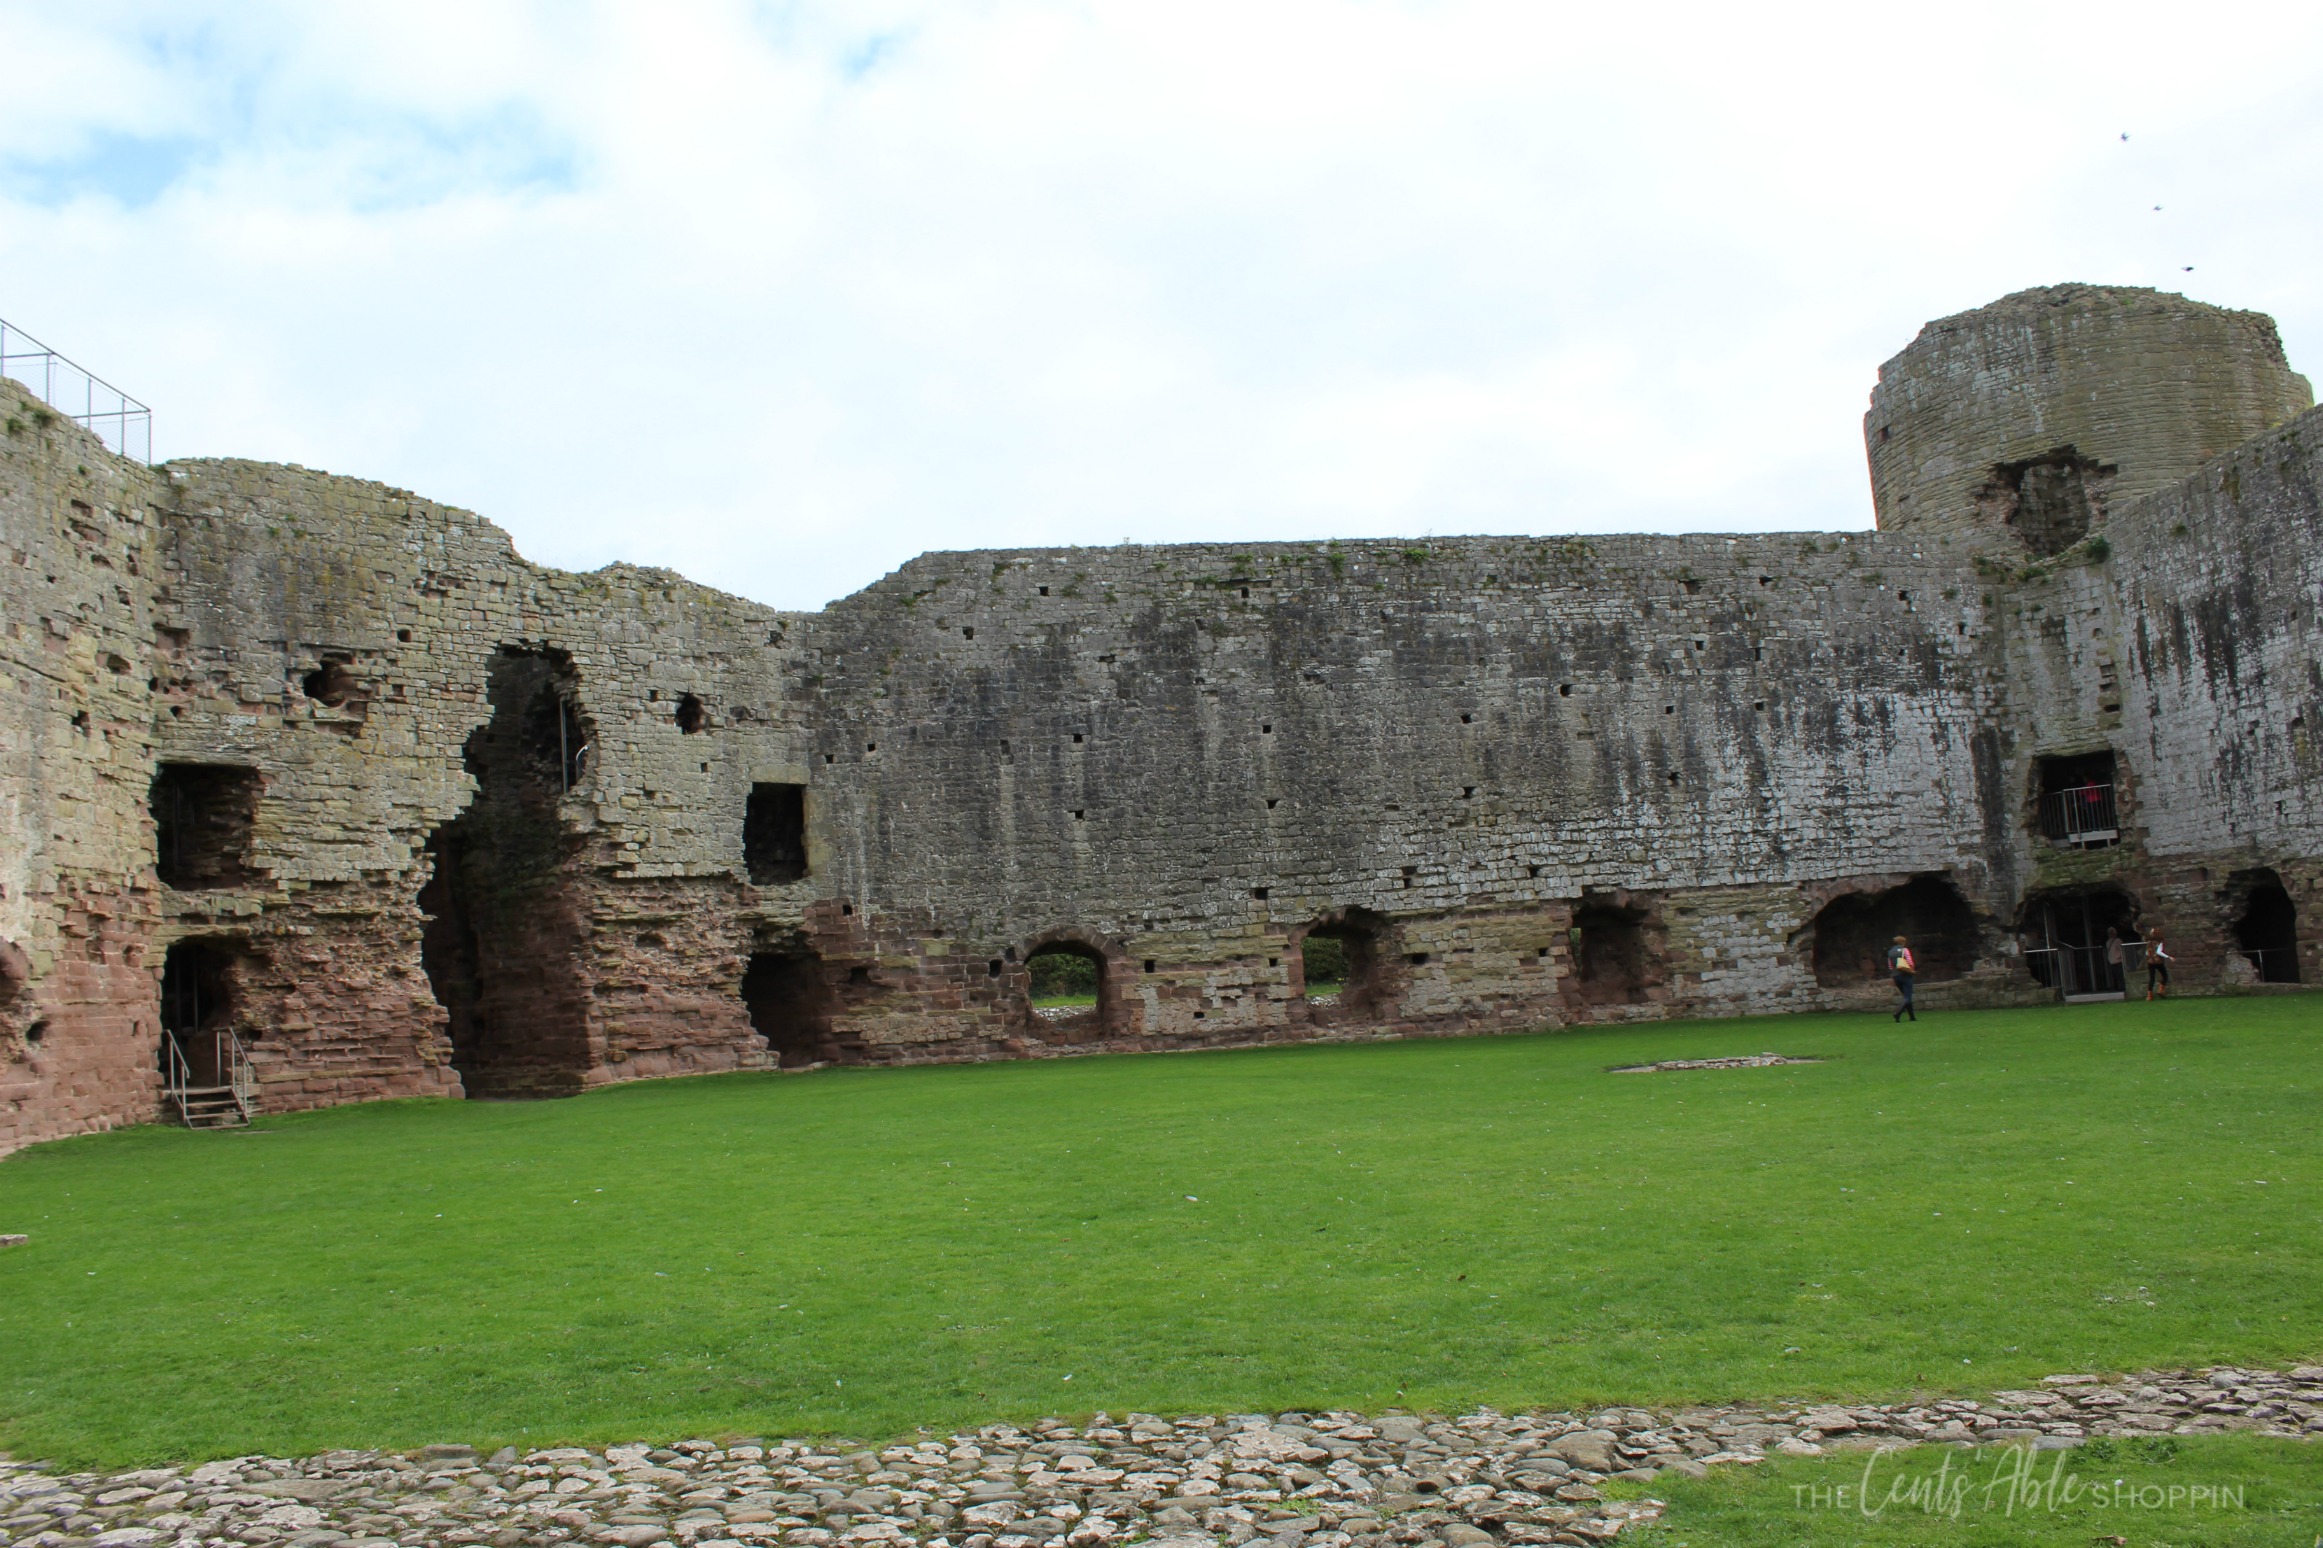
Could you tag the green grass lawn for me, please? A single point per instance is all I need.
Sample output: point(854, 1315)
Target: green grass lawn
point(1970, 1202)
point(2223, 1491)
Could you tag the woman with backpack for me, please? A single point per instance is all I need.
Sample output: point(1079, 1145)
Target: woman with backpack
point(2157, 966)
point(1903, 970)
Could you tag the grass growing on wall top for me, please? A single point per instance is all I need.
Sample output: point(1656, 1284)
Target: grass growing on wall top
point(1973, 1201)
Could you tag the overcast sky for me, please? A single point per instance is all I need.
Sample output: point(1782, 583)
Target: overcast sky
point(780, 295)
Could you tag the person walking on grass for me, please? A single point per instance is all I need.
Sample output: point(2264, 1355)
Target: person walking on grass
point(2157, 966)
point(1904, 971)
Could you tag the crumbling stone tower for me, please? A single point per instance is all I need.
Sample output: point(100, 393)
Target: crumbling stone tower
point(2038, 413)
point(320, 780)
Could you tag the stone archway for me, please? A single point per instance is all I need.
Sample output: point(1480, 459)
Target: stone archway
point(1070, 988)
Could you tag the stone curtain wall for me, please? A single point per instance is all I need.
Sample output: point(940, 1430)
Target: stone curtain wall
point(79, 1000)
point(497, 834)
point(2219, 581)
point(1189, 755)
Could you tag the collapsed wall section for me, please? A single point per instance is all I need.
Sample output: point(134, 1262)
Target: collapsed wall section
point(493, 850)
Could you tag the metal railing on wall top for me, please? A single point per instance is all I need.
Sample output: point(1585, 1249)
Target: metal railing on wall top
point(88, 400)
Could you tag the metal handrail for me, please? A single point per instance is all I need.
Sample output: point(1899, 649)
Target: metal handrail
point(178, 1078)
point(241, 1079)
point(2282, 960)
point(120, 421)
point(2084, 816)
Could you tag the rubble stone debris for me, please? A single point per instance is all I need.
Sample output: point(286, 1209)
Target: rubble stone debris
point(1741, 1062)
point(1293, 1480)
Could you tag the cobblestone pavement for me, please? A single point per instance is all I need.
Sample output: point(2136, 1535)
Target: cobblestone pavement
point(1325, 1480)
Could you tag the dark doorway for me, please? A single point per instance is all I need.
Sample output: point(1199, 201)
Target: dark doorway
point(790, 1000)
point(1342, 966)
point(2051, 502)
point(1067, 992)
point(2069, 940)
point(2078, 799)
point(204, 815)
point(774, 834)
point(197, 1005)
point(1853, 933)
point(2268, 931)
point(505, 910)
point(1616, 955)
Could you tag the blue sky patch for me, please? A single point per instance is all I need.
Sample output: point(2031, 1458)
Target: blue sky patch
point(131, 170)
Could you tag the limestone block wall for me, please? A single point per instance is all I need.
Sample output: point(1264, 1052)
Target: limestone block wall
point(2146, 386)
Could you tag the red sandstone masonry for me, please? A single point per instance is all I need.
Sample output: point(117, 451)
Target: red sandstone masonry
point(1187, 757)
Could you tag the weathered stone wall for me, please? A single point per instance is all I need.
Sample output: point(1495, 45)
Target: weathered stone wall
point(2142, 385)
point(1188, 755)
point(496, 841)
point(78, 1001)
point(276, 574)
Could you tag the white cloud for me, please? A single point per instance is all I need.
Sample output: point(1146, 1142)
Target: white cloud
point(780, 295)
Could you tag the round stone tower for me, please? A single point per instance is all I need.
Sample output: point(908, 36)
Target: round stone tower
point(2036, 414)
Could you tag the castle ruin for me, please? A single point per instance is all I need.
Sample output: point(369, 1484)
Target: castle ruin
point(326, 766)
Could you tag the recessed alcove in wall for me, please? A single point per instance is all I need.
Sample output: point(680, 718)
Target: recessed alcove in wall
point(332, 683)
point(204, 817)
point(2051, 501)
point(1618, 954)
point(774, 834)
point(2077, 799)
point(1852, 933)
point(789, 996)
point(2266, 926)
point(505, 915)
point(692, 716)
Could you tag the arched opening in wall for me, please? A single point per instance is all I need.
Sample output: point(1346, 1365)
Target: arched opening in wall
point(2077, 799)
point(204, 817)
point(198, 1010)
point(774, 834)
point(1617, 953)
point(2070, 936)
point(506, 909)
point(1068, 992)
point(2267, 930)
point(2051, 502)
point(691, 715)
point(1342, 961)
point(1854, 931)
point(789, 996)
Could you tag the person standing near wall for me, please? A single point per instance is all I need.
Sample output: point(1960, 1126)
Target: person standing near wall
point(1904, 971)
point(2157, 966)
point(2113, 959)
